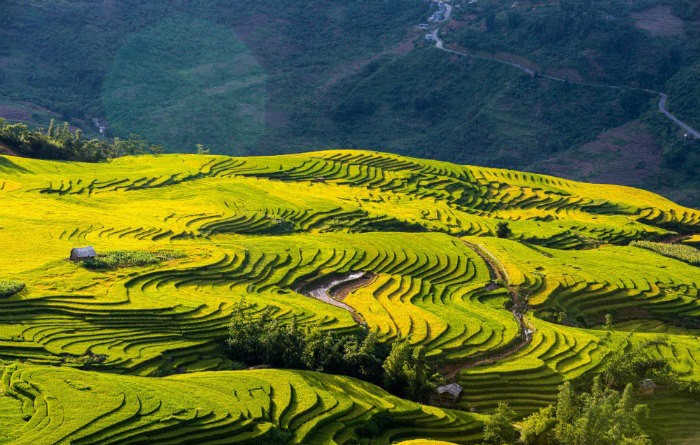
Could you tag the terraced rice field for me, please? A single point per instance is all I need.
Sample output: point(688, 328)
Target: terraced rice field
point(83, 353)
point(264, 405)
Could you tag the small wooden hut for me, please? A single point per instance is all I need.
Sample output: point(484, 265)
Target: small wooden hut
point(82, 253)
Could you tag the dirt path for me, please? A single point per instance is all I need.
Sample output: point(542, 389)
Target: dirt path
point(662, 96)
point(334, 288)
point(451, 371)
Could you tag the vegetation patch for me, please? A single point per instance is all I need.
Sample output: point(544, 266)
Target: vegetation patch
point(187, 75)
point(10, 287)
point(60, 142)
point(130, 258)
point(399, 367)
point(681, 252)
point(602, 416)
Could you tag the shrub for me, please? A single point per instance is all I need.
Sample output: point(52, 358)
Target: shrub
point(408, 374)
point(266, 340)
point(503, 230)
point(60, 143)
point(263, 339)
point(128, 258)
point(9, 288)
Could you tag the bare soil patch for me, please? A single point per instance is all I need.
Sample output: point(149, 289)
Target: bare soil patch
point(333, 288)
point(674, 239)
point(659, 21)
point(5, 150)
point(458, 24)
point(626, 155)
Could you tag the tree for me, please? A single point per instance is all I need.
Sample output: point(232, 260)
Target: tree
point(60, 143)
point(408, 374)
point(538, 428)
point(608, 322)
point(503, 230)
point(514, 18)
point(52, 126)
point(201, 150)
point(601, 417)
point(65, 131)
point(258, 337)
point(498, 428)
point(490, 22)
point(638, 363)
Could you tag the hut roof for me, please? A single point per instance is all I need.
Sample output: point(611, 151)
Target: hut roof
point(83, 252)
point(647, 384)
point(453, 388)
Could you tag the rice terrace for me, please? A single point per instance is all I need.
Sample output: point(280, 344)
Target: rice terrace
point(507, 284)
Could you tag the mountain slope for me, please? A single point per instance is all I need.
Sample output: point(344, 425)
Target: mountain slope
point(273, 77)
point(509, 319)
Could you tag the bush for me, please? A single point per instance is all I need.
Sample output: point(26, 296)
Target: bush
point(128, 258)
point(9, 288)
point(408, 374)
point(630, 367)
point(264, 339)
point(503, 230)
point(60, 143)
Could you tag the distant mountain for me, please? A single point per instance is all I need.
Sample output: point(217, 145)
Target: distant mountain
point(271, 77)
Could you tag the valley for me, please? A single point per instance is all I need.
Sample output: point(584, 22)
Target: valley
point(396, 222)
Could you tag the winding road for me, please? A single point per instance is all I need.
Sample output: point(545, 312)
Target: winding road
point(663, 99)
point(686, 127)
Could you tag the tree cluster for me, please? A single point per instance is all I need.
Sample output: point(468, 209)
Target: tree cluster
point(60, 143)
point(602, 416)
point(640, 362)
point(263, 339)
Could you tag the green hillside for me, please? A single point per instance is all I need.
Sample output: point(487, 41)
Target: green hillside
point(136, 352)
point(273, 77)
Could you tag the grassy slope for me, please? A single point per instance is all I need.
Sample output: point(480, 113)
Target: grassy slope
point(263, 227)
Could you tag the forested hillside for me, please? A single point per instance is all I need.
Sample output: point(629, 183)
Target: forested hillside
point(271, 77)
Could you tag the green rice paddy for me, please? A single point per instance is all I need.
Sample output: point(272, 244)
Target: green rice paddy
point(136, 353)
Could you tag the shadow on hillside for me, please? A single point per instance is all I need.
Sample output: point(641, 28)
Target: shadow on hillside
point(8, 166)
